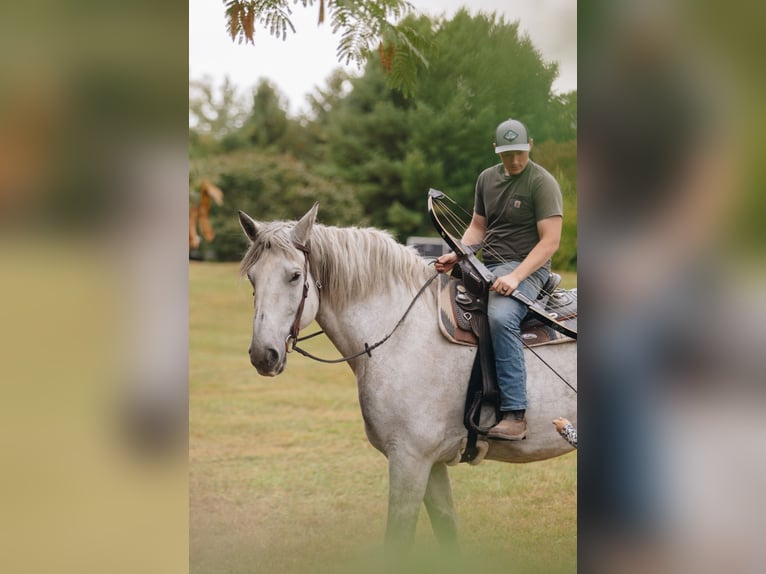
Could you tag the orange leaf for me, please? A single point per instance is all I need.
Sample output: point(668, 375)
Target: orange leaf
point(194, 239)
point(234, 22)
point(248, 25)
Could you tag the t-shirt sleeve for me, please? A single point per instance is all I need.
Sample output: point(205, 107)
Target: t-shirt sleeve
point(478, 201)
point(548, 200)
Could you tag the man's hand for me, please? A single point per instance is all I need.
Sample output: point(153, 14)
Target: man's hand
point(505, 285)
point(446, 262)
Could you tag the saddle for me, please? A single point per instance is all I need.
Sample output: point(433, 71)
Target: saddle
point(457, 309)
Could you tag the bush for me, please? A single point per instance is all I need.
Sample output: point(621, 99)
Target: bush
point(269, 186)
point(560, 158)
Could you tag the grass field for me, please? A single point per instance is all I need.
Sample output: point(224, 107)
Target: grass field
point(282, 479)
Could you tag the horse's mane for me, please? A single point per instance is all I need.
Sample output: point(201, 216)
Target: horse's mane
point(347, 261)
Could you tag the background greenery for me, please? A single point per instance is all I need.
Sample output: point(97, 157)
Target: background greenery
point(368, 153)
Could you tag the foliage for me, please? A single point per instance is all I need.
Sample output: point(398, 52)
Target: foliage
point(563, 116)
point(214, 113)
point(221, 121)
point(382, 148)
point(364, 26)
point(269, 186)
point(560, 158)
point(395, 148)
point(267, 124)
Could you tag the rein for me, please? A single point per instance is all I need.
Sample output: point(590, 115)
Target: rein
point(293, 336)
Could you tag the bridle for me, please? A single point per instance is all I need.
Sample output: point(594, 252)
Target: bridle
point(292, 340)
point(296, 328)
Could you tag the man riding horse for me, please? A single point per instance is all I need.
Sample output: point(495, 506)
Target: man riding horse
point(517, 219)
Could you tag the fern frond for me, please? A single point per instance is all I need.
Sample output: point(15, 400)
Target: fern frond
point(408, 49)
point(248, 25)
point(361, 22)
point(272, 15)
point(321, 12)
point(363, 26)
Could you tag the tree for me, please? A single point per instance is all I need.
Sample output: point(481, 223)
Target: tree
point(366, 27)
point(563, 117)
point(221, 120)
point(481, 71)
point(268, 186)
point(215, 111)
point(267, 123)
point(216, 114)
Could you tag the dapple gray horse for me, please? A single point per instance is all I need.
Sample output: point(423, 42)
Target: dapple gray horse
point(412, 389)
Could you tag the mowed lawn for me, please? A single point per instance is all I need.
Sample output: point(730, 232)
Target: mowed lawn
point(283, 480)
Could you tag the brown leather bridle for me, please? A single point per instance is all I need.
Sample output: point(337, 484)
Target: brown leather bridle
point(293, 336)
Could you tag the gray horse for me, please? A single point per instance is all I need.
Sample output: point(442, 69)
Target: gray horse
point(357, 283)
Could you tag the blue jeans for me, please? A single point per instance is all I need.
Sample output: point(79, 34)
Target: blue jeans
point(505, 316)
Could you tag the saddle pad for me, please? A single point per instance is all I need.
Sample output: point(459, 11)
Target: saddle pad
point(533, 332)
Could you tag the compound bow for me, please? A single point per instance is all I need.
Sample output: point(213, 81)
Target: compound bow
point(484, 274)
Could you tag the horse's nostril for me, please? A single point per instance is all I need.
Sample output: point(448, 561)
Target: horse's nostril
point(272, 354)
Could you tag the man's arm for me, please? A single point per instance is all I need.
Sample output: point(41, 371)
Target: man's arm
point(549, 230)
point(476, 231)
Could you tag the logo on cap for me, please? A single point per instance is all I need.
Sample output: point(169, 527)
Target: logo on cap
point(510, 135)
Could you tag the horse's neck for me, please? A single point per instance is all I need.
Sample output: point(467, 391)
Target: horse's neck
point(349, 326)
point(350, 323)
point(373, 282)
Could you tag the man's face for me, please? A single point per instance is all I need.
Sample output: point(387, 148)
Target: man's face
point(514, 161)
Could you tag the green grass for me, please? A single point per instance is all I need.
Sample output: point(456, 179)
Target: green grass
point(282, 478)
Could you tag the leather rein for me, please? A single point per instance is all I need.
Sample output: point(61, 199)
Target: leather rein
point(292, 340)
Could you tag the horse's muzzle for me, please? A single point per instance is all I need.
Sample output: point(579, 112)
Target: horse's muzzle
point(269, 362)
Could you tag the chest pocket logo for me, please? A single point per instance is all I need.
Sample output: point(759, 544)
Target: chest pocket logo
point(517, 203)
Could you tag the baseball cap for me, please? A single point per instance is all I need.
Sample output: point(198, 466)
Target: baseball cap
point(511, 135)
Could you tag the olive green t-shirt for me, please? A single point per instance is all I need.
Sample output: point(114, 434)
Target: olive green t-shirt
point(513, 205)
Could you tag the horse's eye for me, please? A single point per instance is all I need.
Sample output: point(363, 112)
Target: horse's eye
point(295, 277)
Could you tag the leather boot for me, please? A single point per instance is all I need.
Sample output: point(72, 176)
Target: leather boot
point(510, 428)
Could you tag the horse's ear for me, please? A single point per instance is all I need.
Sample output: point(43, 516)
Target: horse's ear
point(249, 225)
point(302, 230)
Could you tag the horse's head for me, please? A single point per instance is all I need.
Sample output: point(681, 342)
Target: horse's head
point(285, 296)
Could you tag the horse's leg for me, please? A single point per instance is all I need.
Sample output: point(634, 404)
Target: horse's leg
point(440, 507)
point(408, 477)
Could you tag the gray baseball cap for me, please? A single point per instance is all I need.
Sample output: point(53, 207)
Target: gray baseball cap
point(511, 135)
